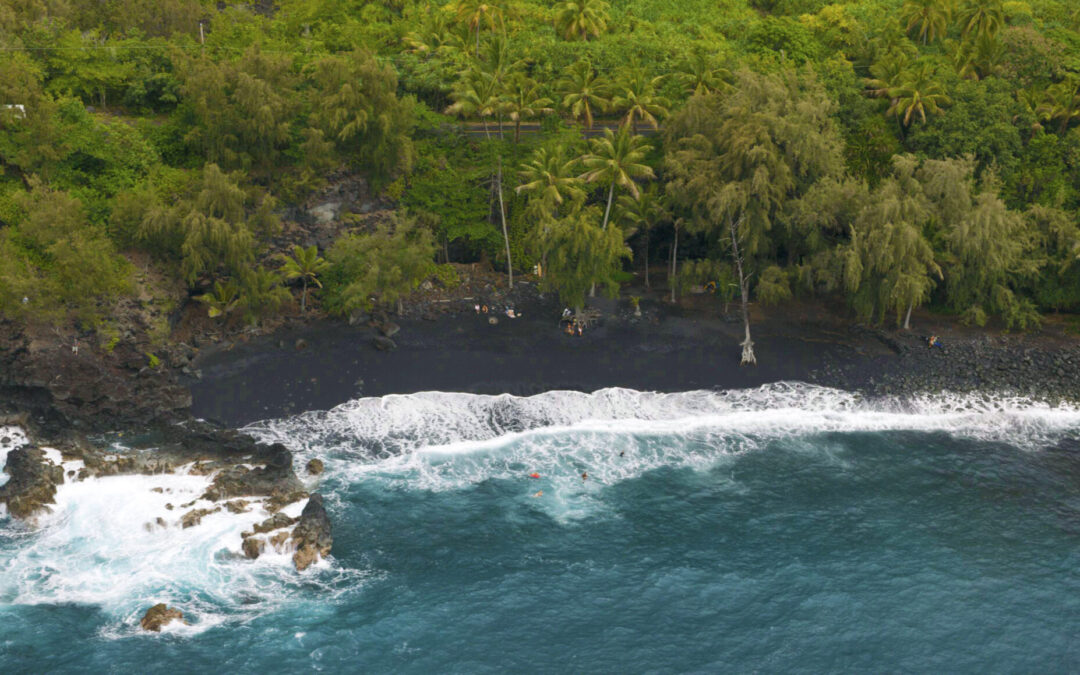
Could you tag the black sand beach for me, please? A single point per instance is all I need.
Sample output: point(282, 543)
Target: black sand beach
point(667, 350)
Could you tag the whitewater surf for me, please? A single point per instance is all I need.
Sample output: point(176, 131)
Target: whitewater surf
point(783, 528)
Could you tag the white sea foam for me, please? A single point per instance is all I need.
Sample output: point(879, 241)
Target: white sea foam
point(446, 441)
point(102, 545)
point(95, 548)
point(10, 439)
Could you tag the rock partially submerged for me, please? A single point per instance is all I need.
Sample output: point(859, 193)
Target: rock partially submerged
point(159, 616)
point(32, 483)
point(315, 467)
point(313, 535)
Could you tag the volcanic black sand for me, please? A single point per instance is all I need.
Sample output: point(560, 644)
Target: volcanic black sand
point(270, 377)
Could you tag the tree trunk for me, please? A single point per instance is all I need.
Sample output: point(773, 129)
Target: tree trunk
point(607, 210)
point(517, 130)
point(747, 344)
point(303, 297)
point(907, 317)
point(647, 286)
point(502, 215)
point(399, 306)
point(671, 277)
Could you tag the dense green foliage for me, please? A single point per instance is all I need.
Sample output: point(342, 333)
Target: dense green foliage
point(893, 153)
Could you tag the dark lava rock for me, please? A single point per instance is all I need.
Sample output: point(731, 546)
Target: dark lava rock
point(276, 478)
point(315, 467)
point(275, 522)
point(313, 535)
point(160, 616)
point(383, 344)
point(193, 518)
point(253, 547)
point(389, 329)
point(32, 483)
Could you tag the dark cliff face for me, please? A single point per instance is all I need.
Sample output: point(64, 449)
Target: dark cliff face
point(90, 389)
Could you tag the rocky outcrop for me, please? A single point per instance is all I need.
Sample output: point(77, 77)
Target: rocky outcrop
point(275, 478)
point(315, 467)
point(383, 344)
point(32, 483)
point(159, 616)
point(313, 535)
point(194, 517)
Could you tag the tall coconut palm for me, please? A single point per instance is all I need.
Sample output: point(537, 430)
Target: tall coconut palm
point(584, 93)
point(578, 19)
point(553, 189)
point(477, 94)
point(636, 97)
point(919, 92)
point(699, 74)
point(305, 265)
point(477, 14)
point(981, 17)
point(647, 211)
point(617, 159)
point(521, 100)
point(929, 19)
point(549, 178)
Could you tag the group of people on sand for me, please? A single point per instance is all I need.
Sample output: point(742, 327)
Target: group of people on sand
point(571, 325)
point(509, 311)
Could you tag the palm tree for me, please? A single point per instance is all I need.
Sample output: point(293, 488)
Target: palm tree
point(222, 300)
point(919, 92)
point(1031, 100)
point(522, 101)
point(1062, 102)
point(476, 14)
point(305, 265)
point(638, 98)
point(930, 17)
point(699, 74)
point(886, 75)
point(477, 93)
point(644, 213)
point(583, 92)
point(981, 17)
point(435, 36)
point(549, 178)
point(979, 58)
point(581, 18)
point(616, 159)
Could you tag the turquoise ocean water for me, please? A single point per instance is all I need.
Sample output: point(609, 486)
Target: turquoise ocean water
point(782, 529)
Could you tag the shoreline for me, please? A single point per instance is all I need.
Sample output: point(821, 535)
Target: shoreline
point(666, 350)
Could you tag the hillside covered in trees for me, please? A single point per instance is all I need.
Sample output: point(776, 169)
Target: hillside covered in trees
point(890, 153)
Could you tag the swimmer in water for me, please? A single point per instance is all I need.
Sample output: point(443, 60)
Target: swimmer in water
point(539, 493)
